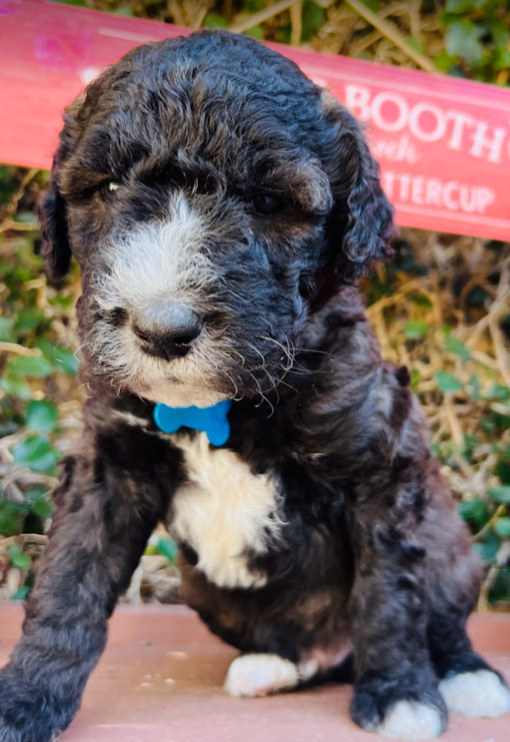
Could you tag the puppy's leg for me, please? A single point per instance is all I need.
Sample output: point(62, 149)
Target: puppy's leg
point(395, 690)
point(468, 684)
point(102, 521)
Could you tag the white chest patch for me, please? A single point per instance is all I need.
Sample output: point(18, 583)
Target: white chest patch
point(223, 511)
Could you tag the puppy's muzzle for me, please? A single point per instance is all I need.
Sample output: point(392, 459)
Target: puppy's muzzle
point(167, 331)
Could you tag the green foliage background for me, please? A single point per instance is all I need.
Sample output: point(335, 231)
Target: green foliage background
point(456, 366)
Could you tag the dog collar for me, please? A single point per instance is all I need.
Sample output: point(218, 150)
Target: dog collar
point(212, 421)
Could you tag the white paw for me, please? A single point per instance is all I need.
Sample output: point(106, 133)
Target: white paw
point(411, 720)
point(474, 694)
point(260, 674)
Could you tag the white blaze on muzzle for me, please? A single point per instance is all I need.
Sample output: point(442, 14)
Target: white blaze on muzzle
point(157, 261)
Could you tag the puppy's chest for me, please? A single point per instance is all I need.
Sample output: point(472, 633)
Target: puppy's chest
point(227, 514)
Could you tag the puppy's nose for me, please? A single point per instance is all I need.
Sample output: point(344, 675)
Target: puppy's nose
point(167, 332)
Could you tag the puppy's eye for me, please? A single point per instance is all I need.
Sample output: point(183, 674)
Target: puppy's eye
point(109, 189)
point(266, 204)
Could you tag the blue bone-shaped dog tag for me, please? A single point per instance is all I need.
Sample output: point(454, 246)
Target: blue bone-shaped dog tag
point(211, 420)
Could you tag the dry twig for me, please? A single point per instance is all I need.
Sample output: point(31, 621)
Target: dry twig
point(393, 34)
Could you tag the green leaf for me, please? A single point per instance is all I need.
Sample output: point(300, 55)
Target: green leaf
point(499, 393)
point(459, 6)
point(64, 302)
point(487, 549)
point(37, 502)
point(19, 558)
point(62, 359)
point(502, 470)
point(477, 297)
point(373, 5)
point(256, 32)
point(457, 347)
point(500, 34)
point(28, 320)
point(488, 425)
point(501, 59)
point(502, 527)
point(8, 184)
point(471, 442)
point(313, 17)
point(215, 20)
point(15, 387)
point(36, 453)
point(415, 44)
point(22, 592)
point(501, 422)
point(43, 508)
point(447, 382)
point(41, 415)
point(473, 387)
point(253, 6)
point(421, 300)
point(6, 330)
point(123, 11)
point(35, 492)
point(36, 366)
point(444, 61)
point(79, 3)
point(463, 40)
point(167, 547)
point(26, 217)
point(500, 492)
point(415, 329)
point(501, 587)
point(415, 379)
point(11, 517)
point(475, 511)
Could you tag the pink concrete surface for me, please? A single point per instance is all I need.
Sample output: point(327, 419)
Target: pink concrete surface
point(160, 680)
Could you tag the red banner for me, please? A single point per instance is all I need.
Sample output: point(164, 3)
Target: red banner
point(443, 143)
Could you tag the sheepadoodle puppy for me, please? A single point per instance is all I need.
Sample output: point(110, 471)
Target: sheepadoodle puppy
point(221, 207)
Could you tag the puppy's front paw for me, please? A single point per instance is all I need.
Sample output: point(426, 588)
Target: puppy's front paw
point(27, 713)
point(399, 710)
point(252, 675)
point(474, 694)
point(411, 720)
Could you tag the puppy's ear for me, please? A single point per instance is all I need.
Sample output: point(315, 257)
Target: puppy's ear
point(55, 247)
point(362, 217)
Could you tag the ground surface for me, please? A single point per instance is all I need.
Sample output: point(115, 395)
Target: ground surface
point(161, 679)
